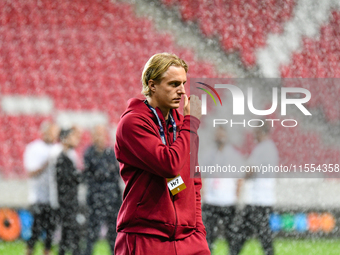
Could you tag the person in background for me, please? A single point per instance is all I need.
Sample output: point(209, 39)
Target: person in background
point(55, 151)
point(259, 195)
point(219, 193)
point(68, 178)
point(104, 197)
point(35, 162)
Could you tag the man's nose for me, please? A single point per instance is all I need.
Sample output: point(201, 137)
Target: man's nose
point(181, 89)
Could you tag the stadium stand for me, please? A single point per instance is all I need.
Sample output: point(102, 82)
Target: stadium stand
point(239, 25)
point(319, 58)
point(88, 59)
point(311, 149)
point(16, 132)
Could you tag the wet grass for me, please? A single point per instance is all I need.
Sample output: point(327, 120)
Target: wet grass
point(252, 247)
point(19, 248)
point(286, 247)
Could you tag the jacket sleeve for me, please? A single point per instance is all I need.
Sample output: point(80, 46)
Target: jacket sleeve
point(61, 179)
point(60, 174)
point(66, 173)
point(139, 145)
point(199, 222)
point(87, 175)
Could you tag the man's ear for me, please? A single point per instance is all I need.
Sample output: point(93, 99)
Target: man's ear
point(152, 85)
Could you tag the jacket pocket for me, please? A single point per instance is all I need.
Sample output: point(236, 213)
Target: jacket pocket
point(156, 204)
point(144, 195)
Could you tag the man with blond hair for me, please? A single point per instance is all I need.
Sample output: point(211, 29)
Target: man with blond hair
point(161, 210)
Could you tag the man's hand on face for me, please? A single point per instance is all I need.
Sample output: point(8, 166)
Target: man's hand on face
point(192, 106)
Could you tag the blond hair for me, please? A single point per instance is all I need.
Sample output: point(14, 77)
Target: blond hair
point(156, 66)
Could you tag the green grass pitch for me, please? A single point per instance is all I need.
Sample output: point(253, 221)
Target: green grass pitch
point(252, 247)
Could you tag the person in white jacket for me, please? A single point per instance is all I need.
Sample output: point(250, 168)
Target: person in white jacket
point(219, 194)
point(259, 195)
point(36, 164)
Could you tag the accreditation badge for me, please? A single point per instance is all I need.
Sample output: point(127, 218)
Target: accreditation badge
point(176, 184)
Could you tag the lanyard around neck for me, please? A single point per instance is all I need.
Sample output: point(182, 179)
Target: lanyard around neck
point(161, 130)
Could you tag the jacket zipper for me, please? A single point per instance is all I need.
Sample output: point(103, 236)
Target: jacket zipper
point(173, 202)
point(173, 197)
point(168, 134)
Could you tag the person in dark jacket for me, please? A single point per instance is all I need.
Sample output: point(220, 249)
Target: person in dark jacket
point(161, 211)
point(68, 178)
point(101, 171)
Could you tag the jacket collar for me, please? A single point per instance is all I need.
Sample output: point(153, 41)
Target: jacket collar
point(138, 106)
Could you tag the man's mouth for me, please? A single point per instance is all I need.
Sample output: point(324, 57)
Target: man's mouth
point(177, 99)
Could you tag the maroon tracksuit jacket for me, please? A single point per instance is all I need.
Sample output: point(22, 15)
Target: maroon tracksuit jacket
point(151, 220)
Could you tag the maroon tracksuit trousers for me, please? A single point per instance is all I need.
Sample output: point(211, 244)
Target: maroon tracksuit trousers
point(138, 244)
